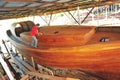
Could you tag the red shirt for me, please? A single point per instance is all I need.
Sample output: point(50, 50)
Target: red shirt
point(33, 31)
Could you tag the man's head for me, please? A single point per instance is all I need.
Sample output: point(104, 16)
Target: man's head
point(37, 24)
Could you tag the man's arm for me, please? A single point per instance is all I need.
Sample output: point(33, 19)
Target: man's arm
point(39, 33)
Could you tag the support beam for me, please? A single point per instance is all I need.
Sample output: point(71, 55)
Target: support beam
point(87, 15)
point(32, 1)
point(72, 16)
point(78, 14)
point(43, 19)
point(50, 19)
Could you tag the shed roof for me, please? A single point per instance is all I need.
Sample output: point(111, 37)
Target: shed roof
point(23, 8)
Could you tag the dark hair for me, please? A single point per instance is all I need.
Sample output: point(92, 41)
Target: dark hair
point(37, 24)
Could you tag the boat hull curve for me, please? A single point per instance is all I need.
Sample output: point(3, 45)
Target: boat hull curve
point(102, 58)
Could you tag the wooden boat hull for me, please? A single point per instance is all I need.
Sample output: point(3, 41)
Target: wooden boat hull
point(76, 57)
point(101, 58)
point(102, 62)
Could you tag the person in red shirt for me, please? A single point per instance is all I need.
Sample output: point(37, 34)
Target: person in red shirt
point(33, 33)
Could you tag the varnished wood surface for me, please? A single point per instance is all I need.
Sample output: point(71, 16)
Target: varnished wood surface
point(62, 36)
point(112, 36)
point(101, 58)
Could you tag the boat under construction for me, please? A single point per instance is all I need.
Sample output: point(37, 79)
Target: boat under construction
point(92, 49)
point(78, 40)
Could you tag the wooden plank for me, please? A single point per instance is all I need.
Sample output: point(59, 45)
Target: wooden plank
point(6, 68)
point(50, 77)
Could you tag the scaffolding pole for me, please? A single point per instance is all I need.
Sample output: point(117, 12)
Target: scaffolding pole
point(6, 68)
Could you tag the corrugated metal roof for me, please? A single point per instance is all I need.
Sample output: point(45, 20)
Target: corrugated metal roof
point(22, 8)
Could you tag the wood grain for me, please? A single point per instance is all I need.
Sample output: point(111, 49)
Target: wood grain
point(76, 48)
